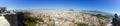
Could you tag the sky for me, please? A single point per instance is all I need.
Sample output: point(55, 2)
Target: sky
point(110, 6)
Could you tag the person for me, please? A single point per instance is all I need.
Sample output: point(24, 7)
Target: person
point(115, 20)
point(119, 20)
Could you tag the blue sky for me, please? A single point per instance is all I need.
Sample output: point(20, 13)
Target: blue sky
point(110, 6)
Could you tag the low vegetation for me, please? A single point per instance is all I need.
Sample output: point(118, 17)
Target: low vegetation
point(29, 21)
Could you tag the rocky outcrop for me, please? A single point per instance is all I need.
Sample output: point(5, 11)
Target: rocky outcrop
point(12, 19)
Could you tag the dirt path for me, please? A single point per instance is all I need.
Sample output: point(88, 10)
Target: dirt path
point(3, 21)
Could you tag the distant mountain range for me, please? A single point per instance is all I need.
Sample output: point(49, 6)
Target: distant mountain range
point(98, 12)
point(94, 12)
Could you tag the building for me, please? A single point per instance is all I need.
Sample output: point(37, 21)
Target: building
point(2, 9)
